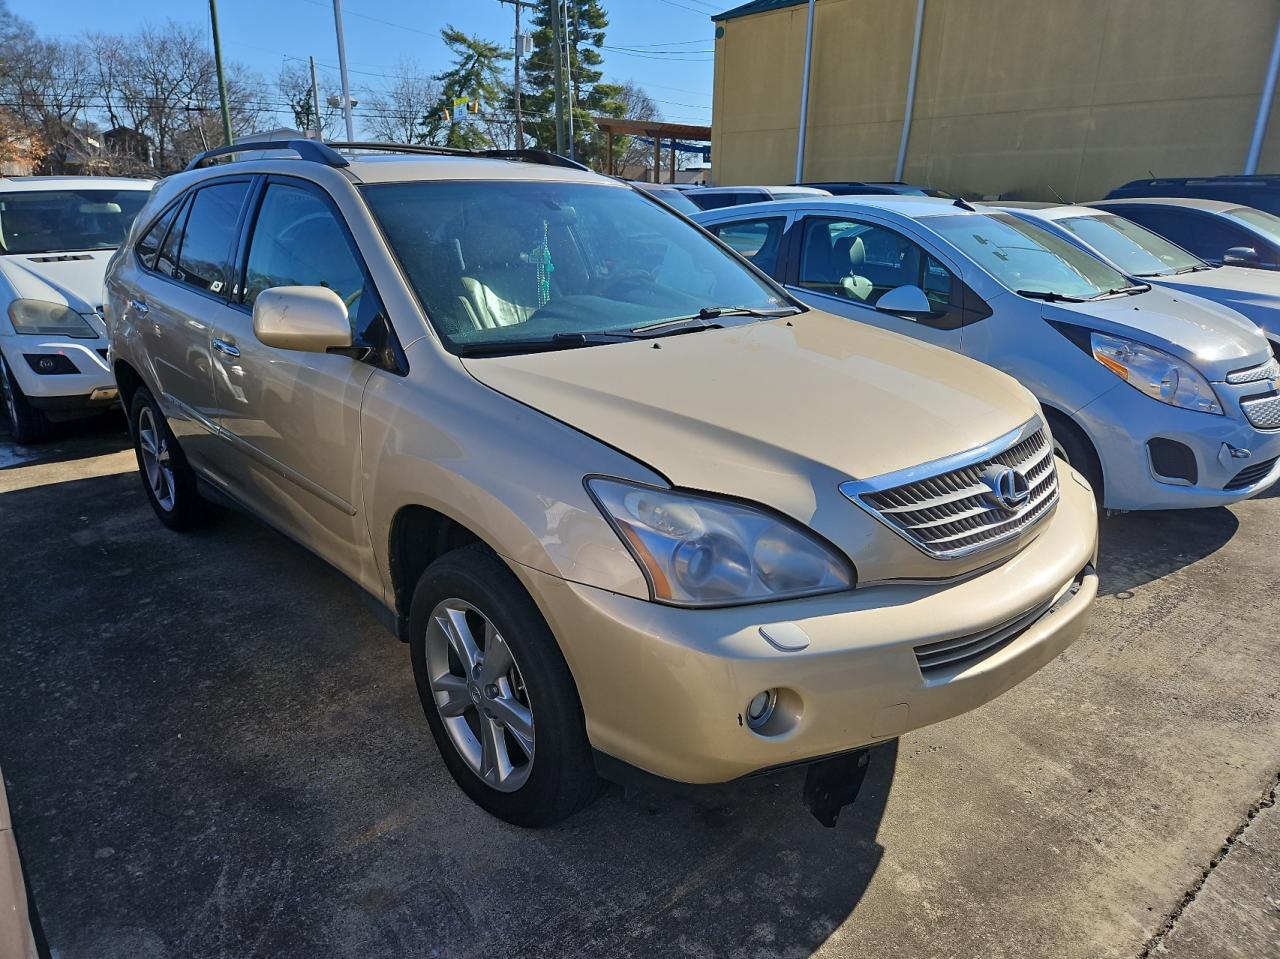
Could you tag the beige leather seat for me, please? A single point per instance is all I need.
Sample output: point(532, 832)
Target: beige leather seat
point(500, 282)
point(852, 251)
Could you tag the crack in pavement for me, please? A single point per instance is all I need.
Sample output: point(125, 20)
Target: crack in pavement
point(1156, 943)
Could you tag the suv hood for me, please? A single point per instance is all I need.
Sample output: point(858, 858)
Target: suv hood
point(1255, 293)
point(1214, 339)
point(71, 278)
point(772, 410)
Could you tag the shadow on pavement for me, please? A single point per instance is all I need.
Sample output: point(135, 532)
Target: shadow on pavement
point(213, 749)
point(73, 440)
point(1140, 547)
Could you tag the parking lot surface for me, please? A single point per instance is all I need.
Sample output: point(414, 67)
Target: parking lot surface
point(212, 748)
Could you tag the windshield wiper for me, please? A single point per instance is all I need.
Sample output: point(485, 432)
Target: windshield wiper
point(705, 319)
point(1049, 296)
point(1130, 290)
point(557, 341)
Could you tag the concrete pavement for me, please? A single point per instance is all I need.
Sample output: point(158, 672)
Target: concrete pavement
point(213, 749)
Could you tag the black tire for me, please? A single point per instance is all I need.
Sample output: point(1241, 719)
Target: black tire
point(1071, 443)
point(562, 777)
point(183, 509)
point(26, 423)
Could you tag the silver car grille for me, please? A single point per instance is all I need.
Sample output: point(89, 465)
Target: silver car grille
point(1269, 370)
point(953, 508)
point(1263, 412)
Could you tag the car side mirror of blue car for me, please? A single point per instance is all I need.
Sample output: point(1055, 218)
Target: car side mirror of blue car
point(907, 301)
point(1240, 256)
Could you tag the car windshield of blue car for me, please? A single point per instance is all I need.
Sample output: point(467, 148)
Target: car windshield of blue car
point(1133, 248)
point(1026, 258)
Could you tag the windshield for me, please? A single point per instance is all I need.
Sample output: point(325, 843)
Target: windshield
point(675, 199)
point(1133, 248)
point(527, 261)
point(61, 221)
point(1027, 258)
point(1268, 224)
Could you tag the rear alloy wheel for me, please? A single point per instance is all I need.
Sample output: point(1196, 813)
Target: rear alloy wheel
point(168, 479)
point(496, 691)
point(26, 423)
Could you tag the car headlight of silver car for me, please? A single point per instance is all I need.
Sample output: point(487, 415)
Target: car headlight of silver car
point(42, 318)
point(698, 550)
point(1158, 374)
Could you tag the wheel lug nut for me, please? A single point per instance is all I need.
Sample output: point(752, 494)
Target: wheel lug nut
point(491, 691)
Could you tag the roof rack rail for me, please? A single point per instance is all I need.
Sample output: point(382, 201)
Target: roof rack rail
point(312, 150)
point(543, 157)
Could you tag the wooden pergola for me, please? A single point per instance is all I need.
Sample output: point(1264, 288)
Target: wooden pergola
point(658, 131)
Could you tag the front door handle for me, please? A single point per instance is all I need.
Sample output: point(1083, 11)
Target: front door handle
point(139, 307)
point(222, 346)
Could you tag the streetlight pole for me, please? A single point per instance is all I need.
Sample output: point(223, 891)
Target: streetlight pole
point(222, 79)
point(342, 68)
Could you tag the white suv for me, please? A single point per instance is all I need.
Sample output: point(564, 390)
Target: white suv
point(56, 236)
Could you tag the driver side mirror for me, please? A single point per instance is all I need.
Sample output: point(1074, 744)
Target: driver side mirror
point(312, 319)
point(1240, 256)
point(908, 301)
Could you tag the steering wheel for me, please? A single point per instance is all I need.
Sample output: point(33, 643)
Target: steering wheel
point(624, 281)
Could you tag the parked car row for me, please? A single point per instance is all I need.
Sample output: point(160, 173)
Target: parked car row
point(637, 507)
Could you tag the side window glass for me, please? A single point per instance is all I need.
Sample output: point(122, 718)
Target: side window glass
point(209, 236)
point(937, 283)
point(149, 245)
point(297, 241)
point(757, 240)
point(861, 262)
point(166, 262)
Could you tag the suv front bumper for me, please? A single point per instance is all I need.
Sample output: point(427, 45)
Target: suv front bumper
point(666, 689)
point(91, 385)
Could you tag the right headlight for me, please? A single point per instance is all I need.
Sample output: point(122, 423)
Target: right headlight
point(1158, 374)
point(42, 318)
point(698, 550)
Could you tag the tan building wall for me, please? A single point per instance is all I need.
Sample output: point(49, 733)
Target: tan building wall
point(1022, 98)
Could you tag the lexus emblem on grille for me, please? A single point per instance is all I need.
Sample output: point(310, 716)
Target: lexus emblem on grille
point(1009, 488)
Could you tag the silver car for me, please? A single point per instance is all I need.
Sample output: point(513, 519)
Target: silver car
point(1164, 400)
point(1133, 249)
point(1218, 232)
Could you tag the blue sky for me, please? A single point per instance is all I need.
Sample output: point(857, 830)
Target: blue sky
point(664, 45)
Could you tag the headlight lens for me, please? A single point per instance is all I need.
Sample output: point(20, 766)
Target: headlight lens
point(700, 551)
point(1161, 376)
point(42, 318)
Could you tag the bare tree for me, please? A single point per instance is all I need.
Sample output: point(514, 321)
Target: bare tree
point(629, 155)
point(161, 82)
point(397, 114)
point(294, 87)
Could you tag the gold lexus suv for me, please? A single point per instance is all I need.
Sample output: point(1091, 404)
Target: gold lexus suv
point(631, 505)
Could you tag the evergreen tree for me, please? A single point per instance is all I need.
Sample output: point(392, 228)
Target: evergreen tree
point(476, 75)
point(587, 23)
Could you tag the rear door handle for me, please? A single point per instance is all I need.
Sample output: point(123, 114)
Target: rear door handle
point(222, 346)
point(139, 307)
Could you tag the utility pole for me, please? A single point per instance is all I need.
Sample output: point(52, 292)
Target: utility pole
point(342, 68)
point(553, 13)
point(315, 100)
point(519, 49)
point(568, 73)
point(222, 79)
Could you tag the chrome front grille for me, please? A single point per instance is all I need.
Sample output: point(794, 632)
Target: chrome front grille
point(1269, 370)
point(952, 508)
point(1263, 412)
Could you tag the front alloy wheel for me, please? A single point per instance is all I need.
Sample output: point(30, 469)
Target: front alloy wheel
point(480, 694)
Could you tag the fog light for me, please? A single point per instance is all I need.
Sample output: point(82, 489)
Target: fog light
point(761, 708)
